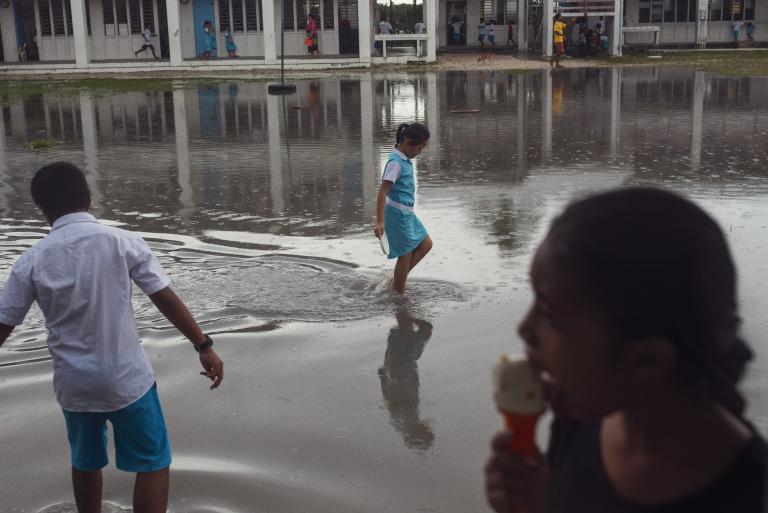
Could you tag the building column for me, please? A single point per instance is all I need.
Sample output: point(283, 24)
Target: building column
point(270, 30)
point(430, 6)
point(173, 15)
point(80, 33)
point(522, 24)
point(617, 32)
point(699, 88)
point(364, 29)
point(547, 29)
point(702, 22)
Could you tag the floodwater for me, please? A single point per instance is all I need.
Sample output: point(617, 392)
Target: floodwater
point(338, 396)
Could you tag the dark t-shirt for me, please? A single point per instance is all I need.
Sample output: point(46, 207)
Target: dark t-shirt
point(580, 484)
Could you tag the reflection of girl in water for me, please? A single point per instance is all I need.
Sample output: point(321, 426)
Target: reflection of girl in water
point(400, 379)
point(408, 239)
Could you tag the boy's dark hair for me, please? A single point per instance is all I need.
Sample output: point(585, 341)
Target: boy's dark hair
point(416, 132)
point(59, 189)
point(558, 16)
point(656, 265)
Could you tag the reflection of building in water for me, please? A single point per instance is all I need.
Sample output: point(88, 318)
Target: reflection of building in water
point(400, 379)
point(317, 156)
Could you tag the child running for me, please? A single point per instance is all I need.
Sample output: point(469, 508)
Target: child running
point(635, 330)
point(80, 274)
point(408, 239)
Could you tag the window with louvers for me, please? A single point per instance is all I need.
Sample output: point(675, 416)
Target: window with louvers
point(301, 15)
point(88, 17)
point(251, 20)
point(149, 15)
point(68, 12)
point(645, 11)
point(238, 22)
point(501, 8)
point(288, 15)
point(46, 28)
point(58, 18)
point(109, 12)
point(135, 15)
point(224, 20)
point(657, 11)
point(261, 18)
point(122, 16)
point(328, 22)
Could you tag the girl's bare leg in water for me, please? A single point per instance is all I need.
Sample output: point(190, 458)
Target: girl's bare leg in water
point(407, 262)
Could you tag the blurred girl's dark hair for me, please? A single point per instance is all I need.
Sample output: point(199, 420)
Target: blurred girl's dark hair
point(415, 132)
point(656, 265)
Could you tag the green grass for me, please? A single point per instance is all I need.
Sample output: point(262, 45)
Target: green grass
point(43, 144)
point(728, 63)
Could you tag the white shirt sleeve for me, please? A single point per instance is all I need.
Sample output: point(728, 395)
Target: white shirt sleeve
point(19, 293)
point(392, 171)
point(144, 268)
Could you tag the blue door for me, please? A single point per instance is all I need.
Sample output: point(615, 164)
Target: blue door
point(202, 10)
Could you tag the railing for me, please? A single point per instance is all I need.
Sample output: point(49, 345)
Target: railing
point(591, 7)
point(419, 38)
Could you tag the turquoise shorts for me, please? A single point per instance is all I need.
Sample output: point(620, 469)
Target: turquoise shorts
point(141, 440)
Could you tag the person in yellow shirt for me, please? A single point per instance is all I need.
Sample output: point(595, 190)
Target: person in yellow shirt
point(559, 30)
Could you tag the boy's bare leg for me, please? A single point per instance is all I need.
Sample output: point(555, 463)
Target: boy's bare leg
point(420, 252)
point(402, 267)
point(87, 489)
point(150, 494)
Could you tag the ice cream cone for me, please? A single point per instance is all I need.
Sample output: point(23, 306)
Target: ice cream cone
point(523, 427)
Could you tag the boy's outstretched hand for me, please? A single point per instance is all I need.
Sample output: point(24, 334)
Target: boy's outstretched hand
point(514, 484)
point(214, 367)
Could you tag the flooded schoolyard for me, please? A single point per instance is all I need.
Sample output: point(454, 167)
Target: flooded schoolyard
point(339, 396)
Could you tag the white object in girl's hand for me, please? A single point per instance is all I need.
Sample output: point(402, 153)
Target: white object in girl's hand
point(384, 243)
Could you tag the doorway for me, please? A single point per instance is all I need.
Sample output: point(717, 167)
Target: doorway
point(348, 27)
point(202, 11)
point(456, 14)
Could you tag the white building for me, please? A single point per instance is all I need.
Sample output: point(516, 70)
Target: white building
point(104, 34)
point(82, 34)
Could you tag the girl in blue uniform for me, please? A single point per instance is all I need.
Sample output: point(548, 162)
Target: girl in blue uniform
point(408, 239)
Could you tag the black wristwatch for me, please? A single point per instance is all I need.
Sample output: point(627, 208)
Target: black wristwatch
point(205, 344)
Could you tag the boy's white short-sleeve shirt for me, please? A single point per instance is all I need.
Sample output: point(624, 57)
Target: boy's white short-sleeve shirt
point(80, 274)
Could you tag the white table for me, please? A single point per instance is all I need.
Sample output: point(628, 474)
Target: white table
point(419, 38)
point(642, 28)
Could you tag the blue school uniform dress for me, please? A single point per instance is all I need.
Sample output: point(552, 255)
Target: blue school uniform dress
point(404, 230)
point(231, 47)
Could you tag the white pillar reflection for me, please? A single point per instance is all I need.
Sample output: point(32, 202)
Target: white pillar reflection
point(522, 112)
point(4, 185)
point(433, 118)
point(546, 117)
point(182, 154)
point(90, 146)
point(615, 111)
point(367, 150)
point(699, 89)
point(274, 111)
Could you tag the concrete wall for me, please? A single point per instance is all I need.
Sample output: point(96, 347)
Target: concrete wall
point(8, 29)
point(685, 33)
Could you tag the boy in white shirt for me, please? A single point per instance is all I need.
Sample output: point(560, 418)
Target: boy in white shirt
point(147, 43)
point(80, 274)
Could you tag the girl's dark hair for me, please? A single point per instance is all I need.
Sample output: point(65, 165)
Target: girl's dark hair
point(415, 132)
point(656, 265)
point(59, 189)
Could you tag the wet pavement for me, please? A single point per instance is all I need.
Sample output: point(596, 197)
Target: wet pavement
point(340, 396)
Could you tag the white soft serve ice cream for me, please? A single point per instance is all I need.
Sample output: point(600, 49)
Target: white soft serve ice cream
point(517, 387)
